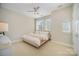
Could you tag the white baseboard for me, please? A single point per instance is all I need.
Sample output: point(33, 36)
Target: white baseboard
point(15, 41)
point(64, 44)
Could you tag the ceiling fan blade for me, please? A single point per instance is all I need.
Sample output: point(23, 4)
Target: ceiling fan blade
point(38, 7)
point(29, 11)
point(35, 9)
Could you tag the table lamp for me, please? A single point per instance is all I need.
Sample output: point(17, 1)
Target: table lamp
point(3, 38)
point(3, 28)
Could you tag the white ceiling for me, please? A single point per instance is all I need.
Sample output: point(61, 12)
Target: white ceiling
point(45, 8)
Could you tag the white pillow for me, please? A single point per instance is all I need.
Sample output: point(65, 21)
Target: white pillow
point(41, 35)
point(44, 33)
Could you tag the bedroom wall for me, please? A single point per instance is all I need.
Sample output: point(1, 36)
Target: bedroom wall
point(18, 24)
point(58, 17)
point(0, 14)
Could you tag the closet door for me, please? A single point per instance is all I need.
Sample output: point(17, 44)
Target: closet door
point(78, 36)
point(75, 27)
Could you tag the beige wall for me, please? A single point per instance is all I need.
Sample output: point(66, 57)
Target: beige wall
point(0, 15)
point(18, 24)
point(58, 17)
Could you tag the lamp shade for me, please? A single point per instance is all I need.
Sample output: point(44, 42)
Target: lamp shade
point(3, 27)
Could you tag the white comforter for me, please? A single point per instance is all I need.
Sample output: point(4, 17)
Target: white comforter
point(35, 39)
point(32, 40)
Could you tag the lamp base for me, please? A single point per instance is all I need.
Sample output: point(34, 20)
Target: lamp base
point(2, 33)
point(4, 40)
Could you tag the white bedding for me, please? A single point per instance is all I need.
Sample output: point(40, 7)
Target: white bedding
point(36, 39)
point(32, 40)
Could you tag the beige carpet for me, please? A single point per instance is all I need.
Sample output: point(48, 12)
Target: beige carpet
point(48, 49)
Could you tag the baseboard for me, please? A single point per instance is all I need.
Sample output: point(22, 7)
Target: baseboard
point(15, 41)
point(64, 44)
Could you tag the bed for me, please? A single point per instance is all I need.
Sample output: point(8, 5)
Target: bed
point(36, 39)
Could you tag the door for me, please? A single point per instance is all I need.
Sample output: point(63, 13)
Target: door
point(77, 37)
point(76, 28)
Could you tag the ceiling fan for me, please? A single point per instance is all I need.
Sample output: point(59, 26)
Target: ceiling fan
point(35, 10)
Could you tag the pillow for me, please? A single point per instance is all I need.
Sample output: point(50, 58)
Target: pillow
point(44, 33)
point(35, 34)
point(44, 37)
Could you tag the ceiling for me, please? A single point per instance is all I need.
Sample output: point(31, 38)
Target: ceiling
point(45, 8)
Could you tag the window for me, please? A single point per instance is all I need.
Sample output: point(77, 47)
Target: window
point(43, 25)
point(48, 25)
point(39, 25)
point(66, 26)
